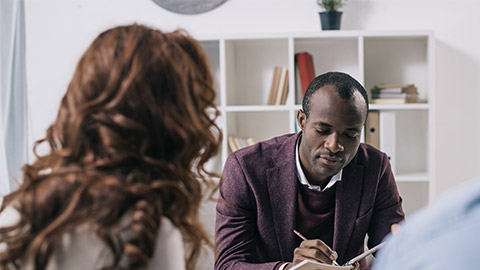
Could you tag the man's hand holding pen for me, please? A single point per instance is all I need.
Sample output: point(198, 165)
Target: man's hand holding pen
point(315, 250)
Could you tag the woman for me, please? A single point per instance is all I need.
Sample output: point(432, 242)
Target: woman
point(121, 186)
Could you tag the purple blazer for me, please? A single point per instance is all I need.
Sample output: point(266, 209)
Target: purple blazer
point(258, 201)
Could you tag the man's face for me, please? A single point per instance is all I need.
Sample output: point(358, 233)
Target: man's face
point(331, 134)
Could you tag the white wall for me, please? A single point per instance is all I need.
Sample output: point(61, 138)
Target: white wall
point(58, 31)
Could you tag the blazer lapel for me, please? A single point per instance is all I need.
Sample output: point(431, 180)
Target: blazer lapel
point(348, 195)
point(282, 188)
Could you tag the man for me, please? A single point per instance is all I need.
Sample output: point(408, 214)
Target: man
point(321, 182)
point(443, 235)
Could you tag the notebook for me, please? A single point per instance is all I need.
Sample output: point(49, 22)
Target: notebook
point(311, 265)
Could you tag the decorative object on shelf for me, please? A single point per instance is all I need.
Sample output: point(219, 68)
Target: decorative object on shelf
point(189, 6)
point(330, 19)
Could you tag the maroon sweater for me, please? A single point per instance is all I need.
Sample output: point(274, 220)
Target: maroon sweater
point(315, 215)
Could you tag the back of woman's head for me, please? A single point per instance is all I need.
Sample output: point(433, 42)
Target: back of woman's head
point(137, 91)
point(133, 133)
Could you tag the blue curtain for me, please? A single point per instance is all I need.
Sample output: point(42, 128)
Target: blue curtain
point(13, 95)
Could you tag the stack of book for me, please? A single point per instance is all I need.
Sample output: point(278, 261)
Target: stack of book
point(394, 94)
point(279, 86)
point(235, 143)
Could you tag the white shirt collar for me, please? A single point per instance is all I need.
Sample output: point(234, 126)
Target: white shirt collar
point(303, 179)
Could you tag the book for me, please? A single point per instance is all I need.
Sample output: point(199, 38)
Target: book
point(409, 90)
point(274, 85)
point(393, 100)
point(393, 85)
point(311, 265)
point(250, 141)
point(387, 136)
point(380, 133)
point(388, 101)
point(297, 126)
point(279, 86)
point(388, 95)
point(235, 143)
point(305, 69)
point(240, 144)
point(282, 88)
point(372, 129)
point(232, 144)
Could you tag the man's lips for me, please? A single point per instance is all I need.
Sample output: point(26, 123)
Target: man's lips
point(329, 160)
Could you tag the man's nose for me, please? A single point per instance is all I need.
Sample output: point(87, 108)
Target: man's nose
point(333, 143)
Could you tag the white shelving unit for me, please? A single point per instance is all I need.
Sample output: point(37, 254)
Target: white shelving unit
point(243, 69)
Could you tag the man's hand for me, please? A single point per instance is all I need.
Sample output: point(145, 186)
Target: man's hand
point(315, 250)
point(395, 228)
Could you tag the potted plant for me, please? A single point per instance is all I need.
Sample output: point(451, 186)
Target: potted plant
point(331, 17)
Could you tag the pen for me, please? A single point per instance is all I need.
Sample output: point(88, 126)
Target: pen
point(365, 254)
point(334, 262)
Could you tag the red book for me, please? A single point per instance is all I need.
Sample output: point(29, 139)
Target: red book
point(305, 69)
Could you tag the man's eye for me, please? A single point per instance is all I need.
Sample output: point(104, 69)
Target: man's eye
point(322, 132)
point(352, 135)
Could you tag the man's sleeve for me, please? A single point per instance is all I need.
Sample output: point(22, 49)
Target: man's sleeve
point(236, 223)
point(388, 205)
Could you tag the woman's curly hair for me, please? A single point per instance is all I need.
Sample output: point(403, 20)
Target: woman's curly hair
point(132, 136)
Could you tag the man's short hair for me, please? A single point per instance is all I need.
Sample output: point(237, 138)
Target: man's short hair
point(344, 84)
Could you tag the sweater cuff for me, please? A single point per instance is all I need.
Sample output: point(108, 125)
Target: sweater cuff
point(281, 266)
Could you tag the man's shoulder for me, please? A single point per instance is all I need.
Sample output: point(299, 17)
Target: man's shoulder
point(368, 153)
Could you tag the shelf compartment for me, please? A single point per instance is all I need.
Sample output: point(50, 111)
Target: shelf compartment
point(330, 54)
point(258, 125)
point(407, 65)
point(415, 196)
point(411, 141)
point(249, 68)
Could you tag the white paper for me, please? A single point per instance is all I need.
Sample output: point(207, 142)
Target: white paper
point(311, 265)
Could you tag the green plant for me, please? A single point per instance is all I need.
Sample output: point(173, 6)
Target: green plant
point(331, 5)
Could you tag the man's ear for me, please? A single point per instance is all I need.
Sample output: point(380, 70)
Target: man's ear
point(301, 119)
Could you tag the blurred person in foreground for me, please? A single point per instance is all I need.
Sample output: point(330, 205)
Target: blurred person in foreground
point(121, 185)
point(443, 235)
